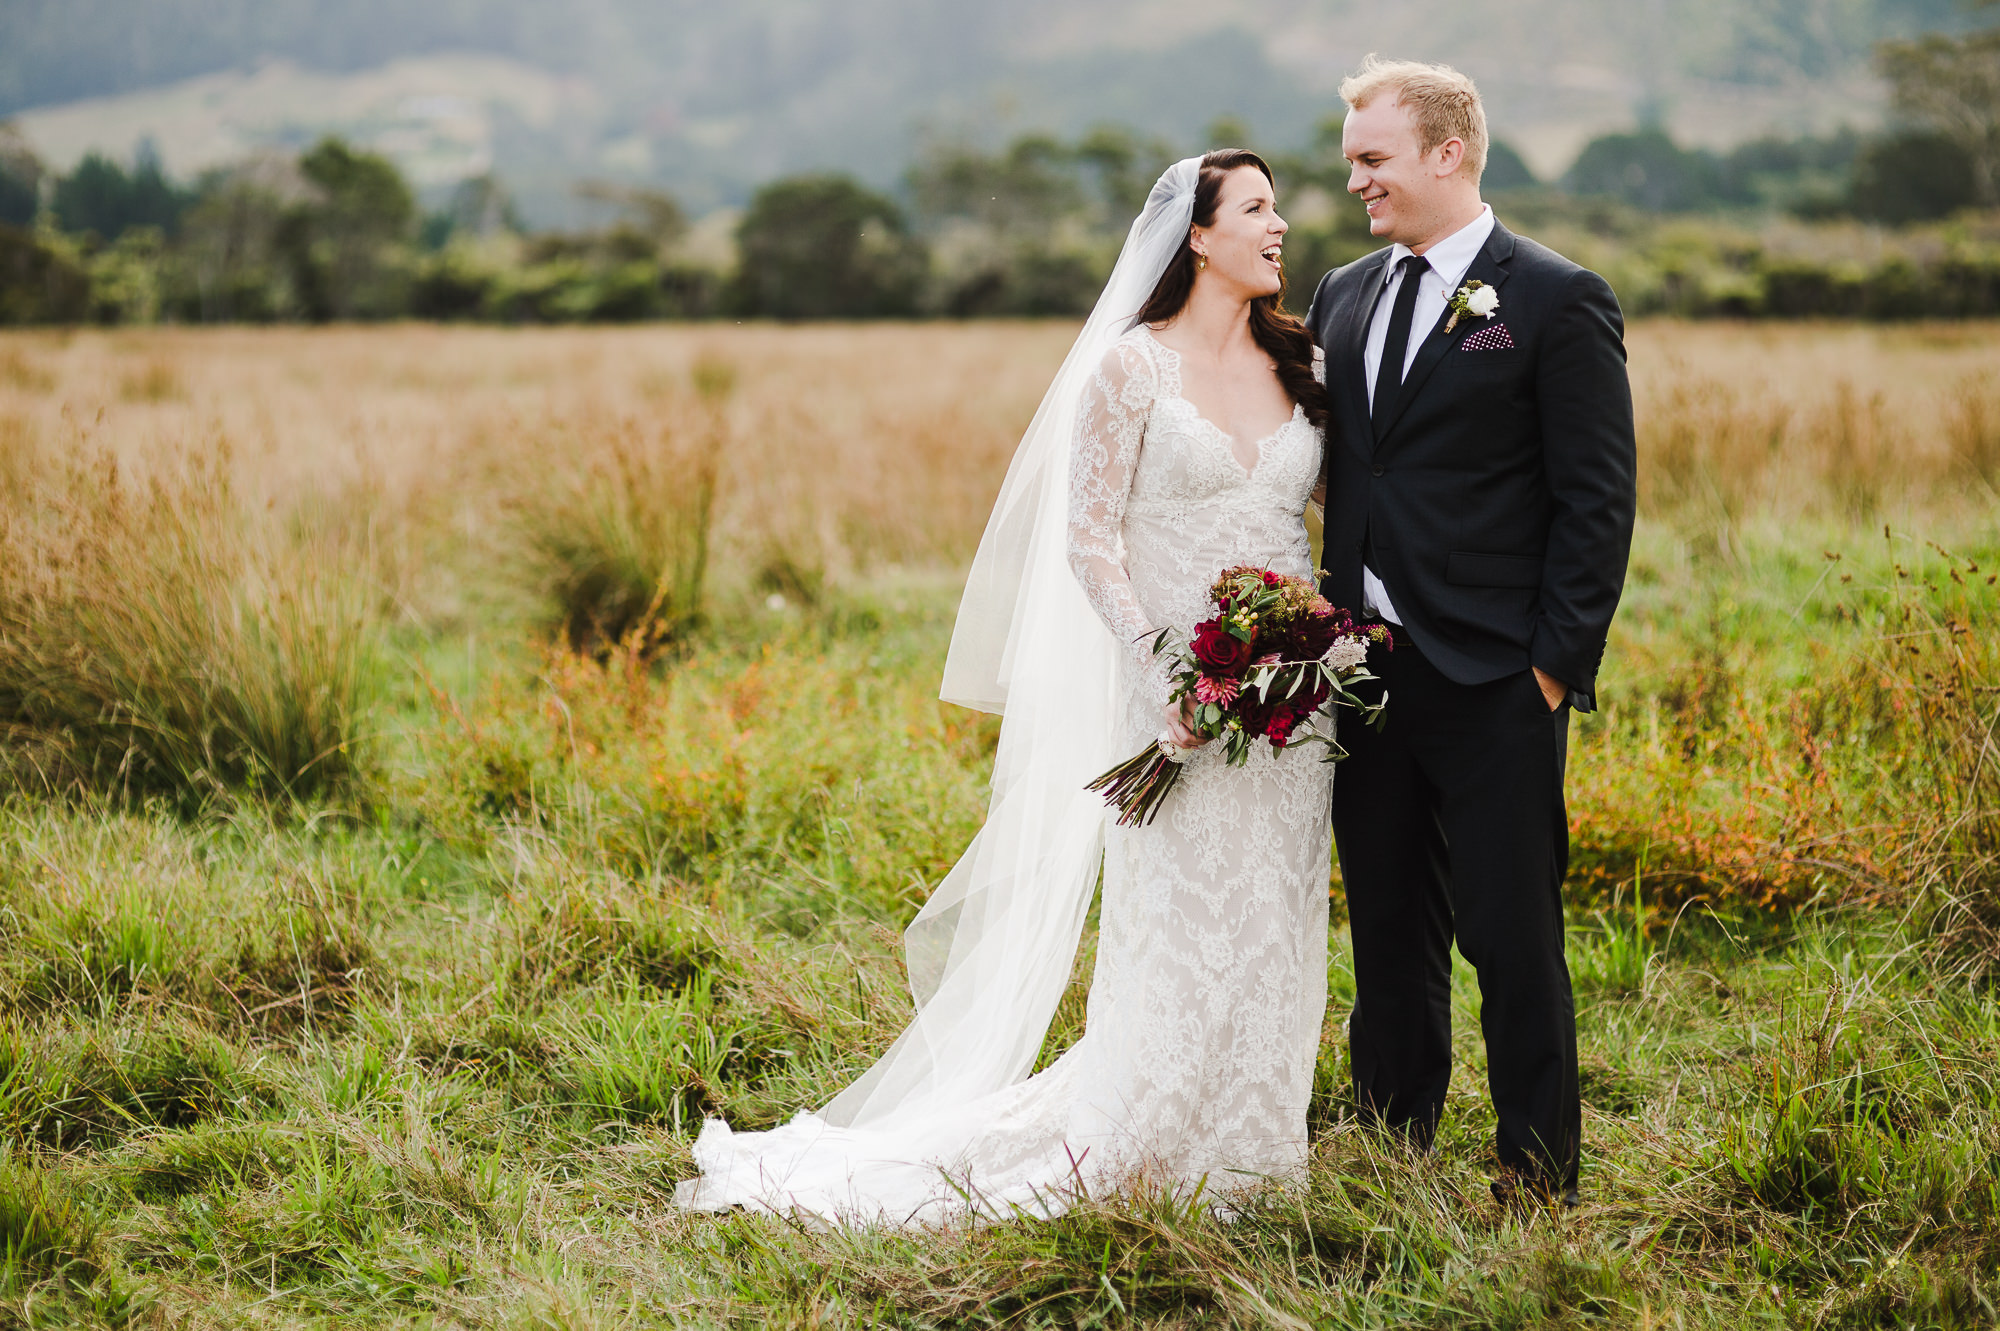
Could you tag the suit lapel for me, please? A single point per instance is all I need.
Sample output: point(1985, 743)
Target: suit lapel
point(1490, 267)
point(1352, 329)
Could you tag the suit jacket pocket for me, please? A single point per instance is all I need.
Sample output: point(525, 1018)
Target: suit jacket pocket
point(1463, 568)
point(1485, 367)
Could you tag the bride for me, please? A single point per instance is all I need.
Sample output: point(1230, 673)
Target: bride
point(1181, 436)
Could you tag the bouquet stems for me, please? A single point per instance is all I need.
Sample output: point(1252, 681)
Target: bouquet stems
point(1138, 786)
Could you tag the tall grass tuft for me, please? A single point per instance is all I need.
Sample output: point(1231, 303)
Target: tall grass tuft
point(151, 643)
point(1936, 661)
point(1614, 954)
point(620, 546)
point(1857, 450)
point(1707, 448)
point(45, 1231)
point(1972, 425)
point(1818, 1144)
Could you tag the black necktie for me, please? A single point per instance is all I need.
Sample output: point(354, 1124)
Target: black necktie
point(1389, 374)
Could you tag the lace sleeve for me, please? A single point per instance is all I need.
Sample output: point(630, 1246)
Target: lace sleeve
point(1110, 429)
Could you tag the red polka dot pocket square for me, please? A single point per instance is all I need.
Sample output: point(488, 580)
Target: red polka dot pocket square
point(1493, 337)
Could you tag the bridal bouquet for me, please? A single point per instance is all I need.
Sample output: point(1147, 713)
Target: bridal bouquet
point(1275, 655)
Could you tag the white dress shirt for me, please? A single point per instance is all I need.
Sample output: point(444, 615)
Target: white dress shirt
point(1448, 260)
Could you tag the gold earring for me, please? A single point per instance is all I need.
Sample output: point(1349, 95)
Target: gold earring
point(1200, 262)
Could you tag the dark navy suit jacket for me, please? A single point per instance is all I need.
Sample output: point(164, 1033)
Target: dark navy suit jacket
point(1497, 503)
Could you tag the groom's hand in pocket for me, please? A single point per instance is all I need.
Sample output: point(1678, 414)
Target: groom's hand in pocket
point(1553, 689)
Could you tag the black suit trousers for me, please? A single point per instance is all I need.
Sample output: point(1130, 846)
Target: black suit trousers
point(1450, 825)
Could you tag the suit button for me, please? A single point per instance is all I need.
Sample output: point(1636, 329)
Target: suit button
point(1374, 471)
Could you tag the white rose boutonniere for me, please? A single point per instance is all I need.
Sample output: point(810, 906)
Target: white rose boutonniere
point(1474, 300)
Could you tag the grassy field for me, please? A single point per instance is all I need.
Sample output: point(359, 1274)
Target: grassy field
point(440, 766)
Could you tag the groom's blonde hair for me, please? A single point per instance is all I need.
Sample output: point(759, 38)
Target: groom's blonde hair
point(1443, 102)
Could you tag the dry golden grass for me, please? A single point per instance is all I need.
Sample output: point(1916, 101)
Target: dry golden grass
point(1844, 420)
point(852, 446)
point(495, 474)
point(847, 445)
point(156, 638)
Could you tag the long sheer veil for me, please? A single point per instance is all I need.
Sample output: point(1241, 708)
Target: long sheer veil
point(990, 953)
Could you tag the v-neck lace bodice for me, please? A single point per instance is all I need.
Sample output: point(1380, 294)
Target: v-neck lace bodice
point(1160, 503)
point(1173, 397)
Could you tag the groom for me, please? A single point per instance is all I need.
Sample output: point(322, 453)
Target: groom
point(1480, 476)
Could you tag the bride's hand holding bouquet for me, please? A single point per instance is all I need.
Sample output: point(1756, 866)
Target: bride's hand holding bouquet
point(1275, 655)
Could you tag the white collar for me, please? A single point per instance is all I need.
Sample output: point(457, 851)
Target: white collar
point(1450, 257)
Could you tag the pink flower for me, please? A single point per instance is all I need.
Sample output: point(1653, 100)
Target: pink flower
point(1269, 658)
point(1210, 689)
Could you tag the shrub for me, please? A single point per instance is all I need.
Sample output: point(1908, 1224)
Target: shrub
point(101, 198)
point(620, 549)
point(20, 183)
point(40, 282)
point(457, 282)
point(823, 247)
point(1648, 170)
point(1910, 177)
point(339, 243)
point(1026, 279)
point(149, 644)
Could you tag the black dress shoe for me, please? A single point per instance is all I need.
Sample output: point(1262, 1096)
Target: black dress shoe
point(1518, 1195)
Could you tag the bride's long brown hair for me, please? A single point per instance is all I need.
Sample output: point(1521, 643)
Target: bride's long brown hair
point(1282, 336)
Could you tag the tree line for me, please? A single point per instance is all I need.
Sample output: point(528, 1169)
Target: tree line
point(336, 232)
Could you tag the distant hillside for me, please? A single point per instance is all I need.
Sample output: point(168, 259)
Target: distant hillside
point(711, 98)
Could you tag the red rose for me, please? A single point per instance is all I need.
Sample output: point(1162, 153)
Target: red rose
point(1218, 649)
point(1271, 579)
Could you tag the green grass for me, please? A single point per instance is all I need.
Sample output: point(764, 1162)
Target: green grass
point(429, 1049)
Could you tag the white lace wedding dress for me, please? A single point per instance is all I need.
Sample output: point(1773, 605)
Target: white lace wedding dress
point(1205, 1010)
point(1210, 989)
